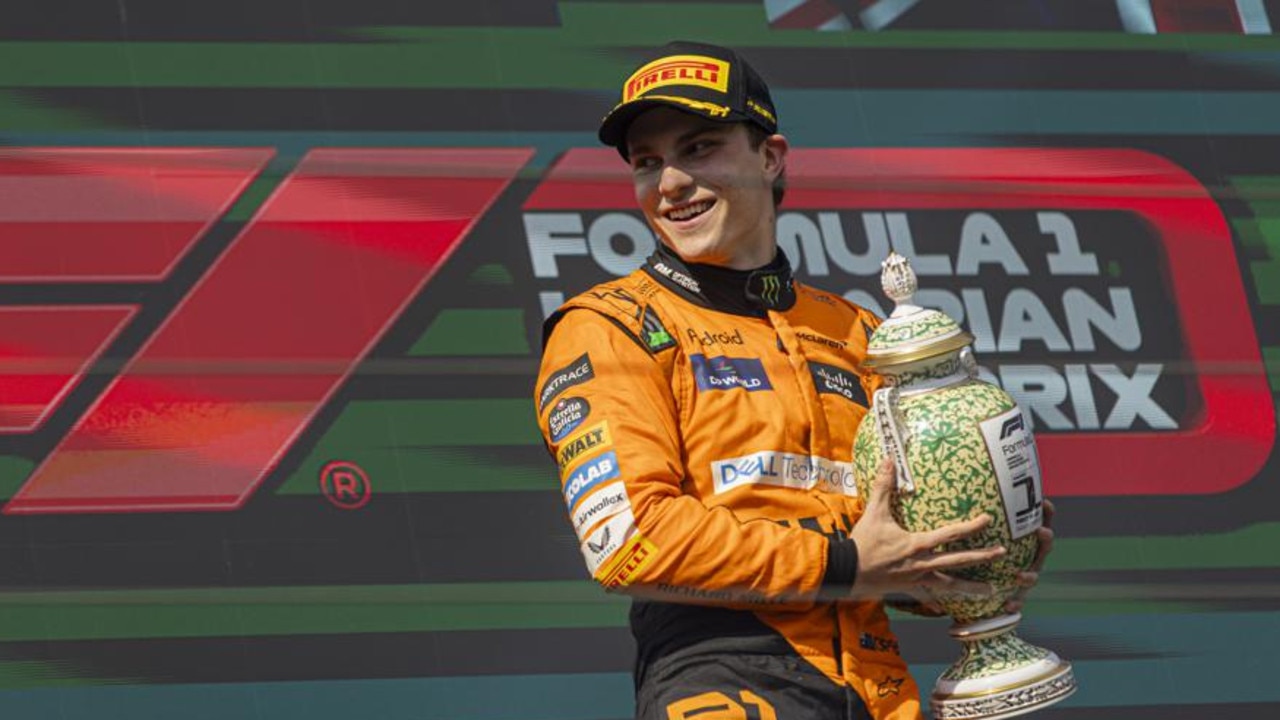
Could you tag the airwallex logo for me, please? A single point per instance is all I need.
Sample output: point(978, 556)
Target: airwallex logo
point(783, 469)
point(728, 373)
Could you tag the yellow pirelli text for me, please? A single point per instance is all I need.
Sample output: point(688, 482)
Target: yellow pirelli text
point(628, 562)
point(696, 70)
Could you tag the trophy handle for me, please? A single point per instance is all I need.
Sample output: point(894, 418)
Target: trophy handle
point(884, 406)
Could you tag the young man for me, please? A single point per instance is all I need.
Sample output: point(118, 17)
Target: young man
point(702, 412)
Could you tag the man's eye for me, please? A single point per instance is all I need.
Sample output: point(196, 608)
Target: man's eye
point(643, 163)
point(700, 147)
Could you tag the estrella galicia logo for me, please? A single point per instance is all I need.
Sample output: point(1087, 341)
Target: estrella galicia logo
point(567, 415)
point(1010, 426)
point(575, 373)
point(726, 373)
point(836, 380)
point(588, 475)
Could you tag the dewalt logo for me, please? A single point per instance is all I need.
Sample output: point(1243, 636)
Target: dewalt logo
point(593, 437)
point(697, 70)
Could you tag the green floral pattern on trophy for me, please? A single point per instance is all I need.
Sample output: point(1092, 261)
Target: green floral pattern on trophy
point(923, 326)
point(991, 656)
point(952, 469)
point(936, 371)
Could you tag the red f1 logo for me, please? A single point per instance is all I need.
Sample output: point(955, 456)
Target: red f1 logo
point(199, 417)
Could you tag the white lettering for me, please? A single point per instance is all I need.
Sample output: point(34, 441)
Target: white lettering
point(601, 234)
point(1069, 260)
point(983, 240)
point(1133, 396)
point(1026, 318)
point(1083, 312)
point(544, 231)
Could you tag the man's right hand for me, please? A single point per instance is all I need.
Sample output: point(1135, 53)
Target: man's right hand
point(891, 559)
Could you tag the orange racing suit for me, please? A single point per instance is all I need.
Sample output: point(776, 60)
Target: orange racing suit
point(702, 420)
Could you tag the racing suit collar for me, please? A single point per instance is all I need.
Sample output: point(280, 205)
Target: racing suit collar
point(740, 292)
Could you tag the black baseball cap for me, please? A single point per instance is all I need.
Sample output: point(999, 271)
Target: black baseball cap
point(707, 80)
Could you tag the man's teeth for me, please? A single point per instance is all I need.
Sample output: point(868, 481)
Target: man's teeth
point(689, 211)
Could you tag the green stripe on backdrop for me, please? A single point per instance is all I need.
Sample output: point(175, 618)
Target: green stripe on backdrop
point(1271, 357)
point(1262, 234)
point(294, 610)
point(474, 331)
point(430, 446)
point(223, 612)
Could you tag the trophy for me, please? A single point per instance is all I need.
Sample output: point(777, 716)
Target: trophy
point(961, 446)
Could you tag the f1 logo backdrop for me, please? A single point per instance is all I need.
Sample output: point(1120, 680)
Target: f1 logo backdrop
point(217, 395)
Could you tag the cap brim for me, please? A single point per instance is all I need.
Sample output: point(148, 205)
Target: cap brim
point(613, 129)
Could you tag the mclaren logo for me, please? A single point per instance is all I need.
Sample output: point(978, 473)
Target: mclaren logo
point(604, 541)
point(697, 70)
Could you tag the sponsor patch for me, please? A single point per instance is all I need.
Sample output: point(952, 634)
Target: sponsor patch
point(575, 373)
point(607, 540)
point(698, 70)
point(726, 373)
point(838, 381)
point(707, 338)
point(566, 416)
point(771, 467)
point(593, 437)
point(656, 337)
point(634, 555)
point(588, 475)
point(820, 340)
point(1013, 455)
point(604, 503)
point(677, 277)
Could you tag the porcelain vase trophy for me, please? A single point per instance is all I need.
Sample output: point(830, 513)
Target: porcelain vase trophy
point(961, 446)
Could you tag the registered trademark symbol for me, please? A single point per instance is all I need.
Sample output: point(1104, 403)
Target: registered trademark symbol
point(345, 484)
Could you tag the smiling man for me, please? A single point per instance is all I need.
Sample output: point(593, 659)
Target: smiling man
point(702, 412)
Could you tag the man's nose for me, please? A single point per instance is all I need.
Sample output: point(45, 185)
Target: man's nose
point(674, 182)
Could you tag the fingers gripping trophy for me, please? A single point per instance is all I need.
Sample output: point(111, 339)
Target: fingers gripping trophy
point(961, 447)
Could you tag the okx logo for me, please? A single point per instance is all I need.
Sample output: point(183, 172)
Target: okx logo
point(217, 395)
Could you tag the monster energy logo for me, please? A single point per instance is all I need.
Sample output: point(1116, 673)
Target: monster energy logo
point(772, 286)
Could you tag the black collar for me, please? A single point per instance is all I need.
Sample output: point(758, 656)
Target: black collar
point(741, 292)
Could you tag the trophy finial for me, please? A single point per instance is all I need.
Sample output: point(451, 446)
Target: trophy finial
point(898, 279)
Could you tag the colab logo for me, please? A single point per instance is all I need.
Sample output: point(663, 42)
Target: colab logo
point(726, 373)
point(696, 70)
point(567, 415)
point(589, 475)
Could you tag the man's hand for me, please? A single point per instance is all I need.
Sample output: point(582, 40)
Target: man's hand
point(1028, 578)
point(891, 559)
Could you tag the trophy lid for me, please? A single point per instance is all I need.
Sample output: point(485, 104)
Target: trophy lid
point(911, 332)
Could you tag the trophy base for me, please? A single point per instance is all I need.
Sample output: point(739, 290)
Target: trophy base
point(1000, 675)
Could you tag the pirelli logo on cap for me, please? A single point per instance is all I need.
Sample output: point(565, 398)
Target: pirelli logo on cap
point(697, 70)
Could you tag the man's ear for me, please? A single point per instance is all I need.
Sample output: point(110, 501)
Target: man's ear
point(775, 149)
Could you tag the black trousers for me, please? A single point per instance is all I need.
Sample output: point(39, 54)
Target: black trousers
point(742, 686)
